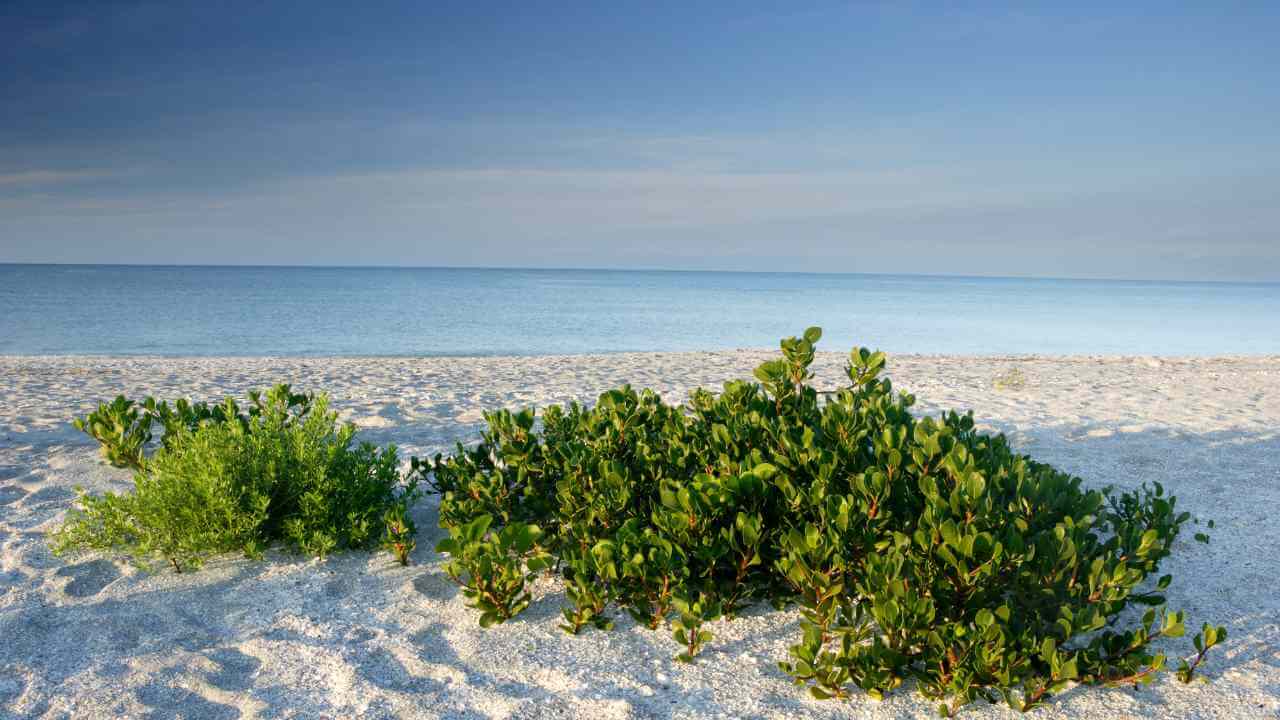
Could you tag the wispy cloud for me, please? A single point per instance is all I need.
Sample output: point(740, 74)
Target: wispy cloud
point(25, 178)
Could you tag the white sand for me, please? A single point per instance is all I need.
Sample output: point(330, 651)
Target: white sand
point(360, 636)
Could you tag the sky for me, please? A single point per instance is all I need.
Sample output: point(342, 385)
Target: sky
point(1060, 140)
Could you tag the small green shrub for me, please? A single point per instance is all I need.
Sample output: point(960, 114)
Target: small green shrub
point(399, 533)
point(916, 548)
point(189, 415)
point(284, 472)
point(1011, 379)
point(121, 429)
point(493, 568)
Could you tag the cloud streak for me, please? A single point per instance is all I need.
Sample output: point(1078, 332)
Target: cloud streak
point(35, 178)
point(932, 220)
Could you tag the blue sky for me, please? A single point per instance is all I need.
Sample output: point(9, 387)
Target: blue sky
point(1053, 140)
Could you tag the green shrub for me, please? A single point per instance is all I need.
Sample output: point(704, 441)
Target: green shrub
point(120, 429)
point(399, 532)
point(493, 568)
point(284, 472)
point(1011, 379)
point(123, 428)
point(917, 548)
point(189, 415)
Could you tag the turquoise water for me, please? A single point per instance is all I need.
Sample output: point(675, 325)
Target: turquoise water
point(69, 309)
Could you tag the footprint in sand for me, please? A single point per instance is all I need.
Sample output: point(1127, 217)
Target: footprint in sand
point(89, 578)
point(379, 667)
point(235, 670)
point(10, 494)
point(48, 495)
point(10, 579)
point(434, 586)
point(168, 701)
point(11, 688)
point(383, 416)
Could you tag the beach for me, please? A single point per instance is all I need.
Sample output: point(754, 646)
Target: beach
point(356, 635)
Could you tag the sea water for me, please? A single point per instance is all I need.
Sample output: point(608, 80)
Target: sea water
point(165, 310)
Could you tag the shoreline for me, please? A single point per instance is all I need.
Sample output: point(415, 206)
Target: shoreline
point(1068, 357)
point(356, 635)
point(644, 270)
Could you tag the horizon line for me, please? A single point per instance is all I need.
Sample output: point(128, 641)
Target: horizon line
point(941, 276)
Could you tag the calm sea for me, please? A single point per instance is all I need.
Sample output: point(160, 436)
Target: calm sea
point(66, 309)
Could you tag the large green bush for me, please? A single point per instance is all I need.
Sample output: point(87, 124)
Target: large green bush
point(917, 548)
point(229, 481)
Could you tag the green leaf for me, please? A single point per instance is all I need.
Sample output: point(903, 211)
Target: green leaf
point(1048, 649)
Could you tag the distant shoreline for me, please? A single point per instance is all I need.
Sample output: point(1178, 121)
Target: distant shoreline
point(761, 351)
point(355, 312)
point(716, 271)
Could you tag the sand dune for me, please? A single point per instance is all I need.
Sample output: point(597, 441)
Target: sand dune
point(358, 636)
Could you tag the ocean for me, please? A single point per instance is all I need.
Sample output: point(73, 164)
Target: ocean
point(170, 310)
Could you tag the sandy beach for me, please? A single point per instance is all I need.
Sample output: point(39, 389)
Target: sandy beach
point(359, 636)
